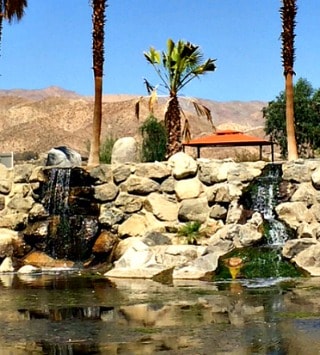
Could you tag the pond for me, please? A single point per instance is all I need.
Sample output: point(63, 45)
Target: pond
point(70, 313)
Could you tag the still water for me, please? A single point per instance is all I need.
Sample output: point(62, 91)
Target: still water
point(69, 313)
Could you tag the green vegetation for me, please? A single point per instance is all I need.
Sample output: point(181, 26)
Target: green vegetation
point(106, 149)
point(258, 263)
point(191, 230)
point(154, 140)
point(306, 115)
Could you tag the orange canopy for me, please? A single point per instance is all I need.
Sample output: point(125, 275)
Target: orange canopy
point(229, 138)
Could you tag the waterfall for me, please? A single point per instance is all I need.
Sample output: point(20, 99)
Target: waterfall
point(264, 196)
point(57, 194)
point(263, 264)
point(73, 218)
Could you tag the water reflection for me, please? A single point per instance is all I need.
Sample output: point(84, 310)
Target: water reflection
point(68, 313)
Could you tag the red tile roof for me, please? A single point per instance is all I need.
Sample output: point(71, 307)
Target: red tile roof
point(227, 138)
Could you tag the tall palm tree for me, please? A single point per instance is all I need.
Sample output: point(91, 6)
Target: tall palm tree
point(181, 63)
point(10, 10)
point(288, 13)
point(98, 20)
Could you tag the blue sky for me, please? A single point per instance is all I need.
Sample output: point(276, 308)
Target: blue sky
point(52, 45)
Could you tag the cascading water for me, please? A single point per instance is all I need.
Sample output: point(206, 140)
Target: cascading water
point(57, 196)
point(264, 261)
point(264, 198)
point(73, 221)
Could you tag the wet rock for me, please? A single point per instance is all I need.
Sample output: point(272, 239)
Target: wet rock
point(105, 242)
point(110, 216)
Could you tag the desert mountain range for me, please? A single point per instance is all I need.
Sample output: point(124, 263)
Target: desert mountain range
point(37, 120)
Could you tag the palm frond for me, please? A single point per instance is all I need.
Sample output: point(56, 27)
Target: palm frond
point(186, 131)
point(152, 100)
point(149, 87)
point(137, 107)
point(203, 110)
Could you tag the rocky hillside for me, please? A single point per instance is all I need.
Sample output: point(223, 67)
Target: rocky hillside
point(37, 120)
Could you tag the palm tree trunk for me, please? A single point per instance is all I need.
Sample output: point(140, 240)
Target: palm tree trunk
point(288, 13)
point(94, 157)
point(291, 138)
point(173, 126)
point(98, 19)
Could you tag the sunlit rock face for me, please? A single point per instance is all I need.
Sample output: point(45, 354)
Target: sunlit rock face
point(63, 157)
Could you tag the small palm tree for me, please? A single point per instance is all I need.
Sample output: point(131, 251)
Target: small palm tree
point(10, 10)
point(98, 19)
point(181, 63)
point(288, 13)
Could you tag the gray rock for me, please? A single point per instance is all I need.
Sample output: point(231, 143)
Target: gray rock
point(110, 216)
point(63, 157)
point(140, 185)
point(129, 203)
point(156, 238)
point(194, 210)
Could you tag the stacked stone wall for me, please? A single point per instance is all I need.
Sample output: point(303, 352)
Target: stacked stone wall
point(139, 198)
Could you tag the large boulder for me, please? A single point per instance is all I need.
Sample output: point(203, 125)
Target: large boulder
point(294, 213)
point(125, 150)
point(63, 157)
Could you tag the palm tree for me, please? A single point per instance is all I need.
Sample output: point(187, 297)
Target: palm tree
point(10, 10)
point(288, 13)
point(98, 19)
point(181, 63)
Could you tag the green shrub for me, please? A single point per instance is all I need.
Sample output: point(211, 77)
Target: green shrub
point(106, 149)
point(191, 230)
point(154, 140)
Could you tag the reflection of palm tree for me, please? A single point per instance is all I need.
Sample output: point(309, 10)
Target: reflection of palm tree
point(10, 10)
point(181, 63)
point(98, 18)
point(288, 13)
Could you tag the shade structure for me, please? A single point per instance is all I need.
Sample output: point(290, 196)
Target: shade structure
point(229, 138)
